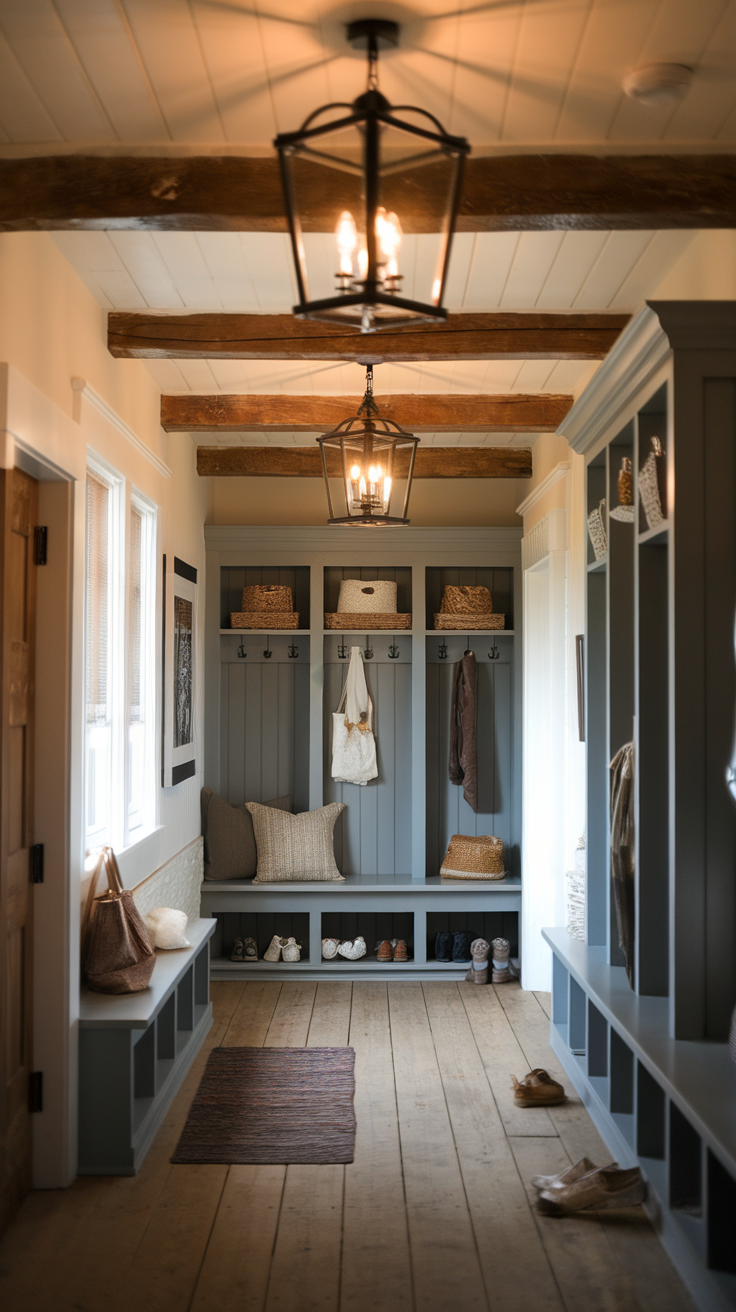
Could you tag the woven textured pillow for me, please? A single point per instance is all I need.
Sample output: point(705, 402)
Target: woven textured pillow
point(229, 841)
point(295, 847)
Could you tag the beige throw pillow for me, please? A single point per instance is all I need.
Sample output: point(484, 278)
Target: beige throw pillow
point(295, 847)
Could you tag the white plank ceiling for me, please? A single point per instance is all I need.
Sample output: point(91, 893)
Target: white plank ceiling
point(234, 72)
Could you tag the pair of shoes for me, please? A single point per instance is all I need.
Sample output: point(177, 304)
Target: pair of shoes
point(453, 946)
point(598, 1189)
point(329, 948)
point(288, 948)
point(569, 1175)
point(353, 949)
point(393, 950)
point(478, 973)
point(502, 970)
point(537, 1089)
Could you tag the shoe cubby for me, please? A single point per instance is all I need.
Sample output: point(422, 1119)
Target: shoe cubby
point(621, 1089)
point(480, 924)
point(233, 578)
point(260, 926)
point(576, 1035)
point(721, 1217)
point(686, 1165)
point(374, 928)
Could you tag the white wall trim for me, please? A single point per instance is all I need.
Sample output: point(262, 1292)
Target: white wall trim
point(639, 352)
point(87, 390)
point(554, 476)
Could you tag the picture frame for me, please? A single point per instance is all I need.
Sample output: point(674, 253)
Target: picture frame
point(179, 672)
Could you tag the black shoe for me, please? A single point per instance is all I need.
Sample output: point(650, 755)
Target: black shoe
point(443, 947)
point(461, 941)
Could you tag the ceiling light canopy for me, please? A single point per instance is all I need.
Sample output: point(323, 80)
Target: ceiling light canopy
point(657, 83)
point(370, 455)
point(381, 157)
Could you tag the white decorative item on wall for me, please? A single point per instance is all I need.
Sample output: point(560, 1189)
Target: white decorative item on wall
point(180, 627)
point(649, 485)
point(597, 531)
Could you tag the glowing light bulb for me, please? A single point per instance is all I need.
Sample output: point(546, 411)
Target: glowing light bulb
point(388, 233)
point(355, 472)
point(362, 263)
point(373, 474)
point(347, 240)
point(436, 289)
point(387, 491)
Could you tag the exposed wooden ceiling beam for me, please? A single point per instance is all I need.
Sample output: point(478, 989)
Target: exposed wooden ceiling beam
point(233, 193)
point(542, 413)
point(306, 462)
point(282, 337)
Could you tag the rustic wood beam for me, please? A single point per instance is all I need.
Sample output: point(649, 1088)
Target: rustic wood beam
point(516, 413)
point(282, 337)
point(236, 193)
point(305, 462)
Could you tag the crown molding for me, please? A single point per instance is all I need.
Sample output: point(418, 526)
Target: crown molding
point(554, 476)
point(86, 390)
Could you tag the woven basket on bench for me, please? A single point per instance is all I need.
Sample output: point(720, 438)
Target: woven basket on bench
point(473, 858)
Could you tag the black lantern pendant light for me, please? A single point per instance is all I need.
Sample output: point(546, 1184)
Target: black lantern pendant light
point(391, 162)
point(370, 455)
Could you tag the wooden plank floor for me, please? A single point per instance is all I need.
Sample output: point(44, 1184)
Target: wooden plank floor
point(435, 1213)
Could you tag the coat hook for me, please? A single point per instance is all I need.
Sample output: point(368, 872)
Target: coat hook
point(368, 653)
point(468, 650)
point(292, 651)
point(342, 651)
point(442, 651)
point(241, 650)
point(393, 651)
point(267, 652)
point(495, 654)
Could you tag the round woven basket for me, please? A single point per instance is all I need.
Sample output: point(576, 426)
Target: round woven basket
point(473, 858)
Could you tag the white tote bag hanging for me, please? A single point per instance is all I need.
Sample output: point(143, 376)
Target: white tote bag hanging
point(353, 745)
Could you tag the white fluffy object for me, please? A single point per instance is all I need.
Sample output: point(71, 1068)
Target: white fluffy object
point(167, 928)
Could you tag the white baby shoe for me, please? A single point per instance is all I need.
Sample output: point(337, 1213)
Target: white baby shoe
point(329, 948)
point(273, 951)
point(291, 950)
point(353, 949)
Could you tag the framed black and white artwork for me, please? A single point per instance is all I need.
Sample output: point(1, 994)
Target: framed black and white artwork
point(180, 628)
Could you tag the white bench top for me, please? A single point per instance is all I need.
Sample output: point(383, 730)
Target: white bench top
point(135, 1011)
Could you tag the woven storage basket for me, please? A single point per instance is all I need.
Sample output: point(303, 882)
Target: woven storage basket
point(366, 596)
point(264, 619)
point(462, 623)
point(624, 511)
point(649, 485)
point(597, 531)
point(267, 597)
point(462, 600)
point(345, 619)
point(473, 858)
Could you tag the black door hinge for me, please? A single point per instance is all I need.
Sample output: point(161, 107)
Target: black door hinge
point(35, 855)
point(40, 536)
point(35, 1091)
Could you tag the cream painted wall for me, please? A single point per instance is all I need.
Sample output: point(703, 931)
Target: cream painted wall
point(51, 329)
point(470, 502)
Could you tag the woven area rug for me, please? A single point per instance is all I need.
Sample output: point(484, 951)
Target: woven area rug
point(272, 1105)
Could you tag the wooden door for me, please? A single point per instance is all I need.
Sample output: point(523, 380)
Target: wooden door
point(18, 503)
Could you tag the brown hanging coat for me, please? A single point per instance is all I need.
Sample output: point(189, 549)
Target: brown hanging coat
point(622, 852)
point(463, 752)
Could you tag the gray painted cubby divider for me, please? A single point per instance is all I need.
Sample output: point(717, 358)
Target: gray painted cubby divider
point(268, 731)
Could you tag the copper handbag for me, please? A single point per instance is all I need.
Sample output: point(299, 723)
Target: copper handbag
point(117, 954)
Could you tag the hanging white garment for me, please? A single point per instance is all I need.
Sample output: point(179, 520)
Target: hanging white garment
point(353, 745)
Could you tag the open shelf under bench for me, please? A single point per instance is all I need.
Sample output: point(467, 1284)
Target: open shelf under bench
point(134, 1051)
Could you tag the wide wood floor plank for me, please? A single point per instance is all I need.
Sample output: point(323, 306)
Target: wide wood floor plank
point(585, 1268)
point(545, 1002)
point(252, 1017)
point(376, 1262)
point(506, 1234)
point(445, 1263)
point(502, 1057)
point(330, 1023)
point(237, 1264)
point(292, 1014)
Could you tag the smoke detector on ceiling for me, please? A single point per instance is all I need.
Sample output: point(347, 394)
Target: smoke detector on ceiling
point(656, 83)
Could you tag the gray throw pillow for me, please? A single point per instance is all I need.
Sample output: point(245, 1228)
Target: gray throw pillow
point(229, 841)
point(295, 847)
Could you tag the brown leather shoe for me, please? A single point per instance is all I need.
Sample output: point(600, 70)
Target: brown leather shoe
point(384, 950)
point(400, 951)
point(537, 1089)
point(594, 1192)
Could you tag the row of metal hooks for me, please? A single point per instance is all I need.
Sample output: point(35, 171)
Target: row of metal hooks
point(492, 655)
point(393, 651)
point(292, 651)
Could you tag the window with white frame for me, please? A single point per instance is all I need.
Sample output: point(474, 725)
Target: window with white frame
point(120, 729)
